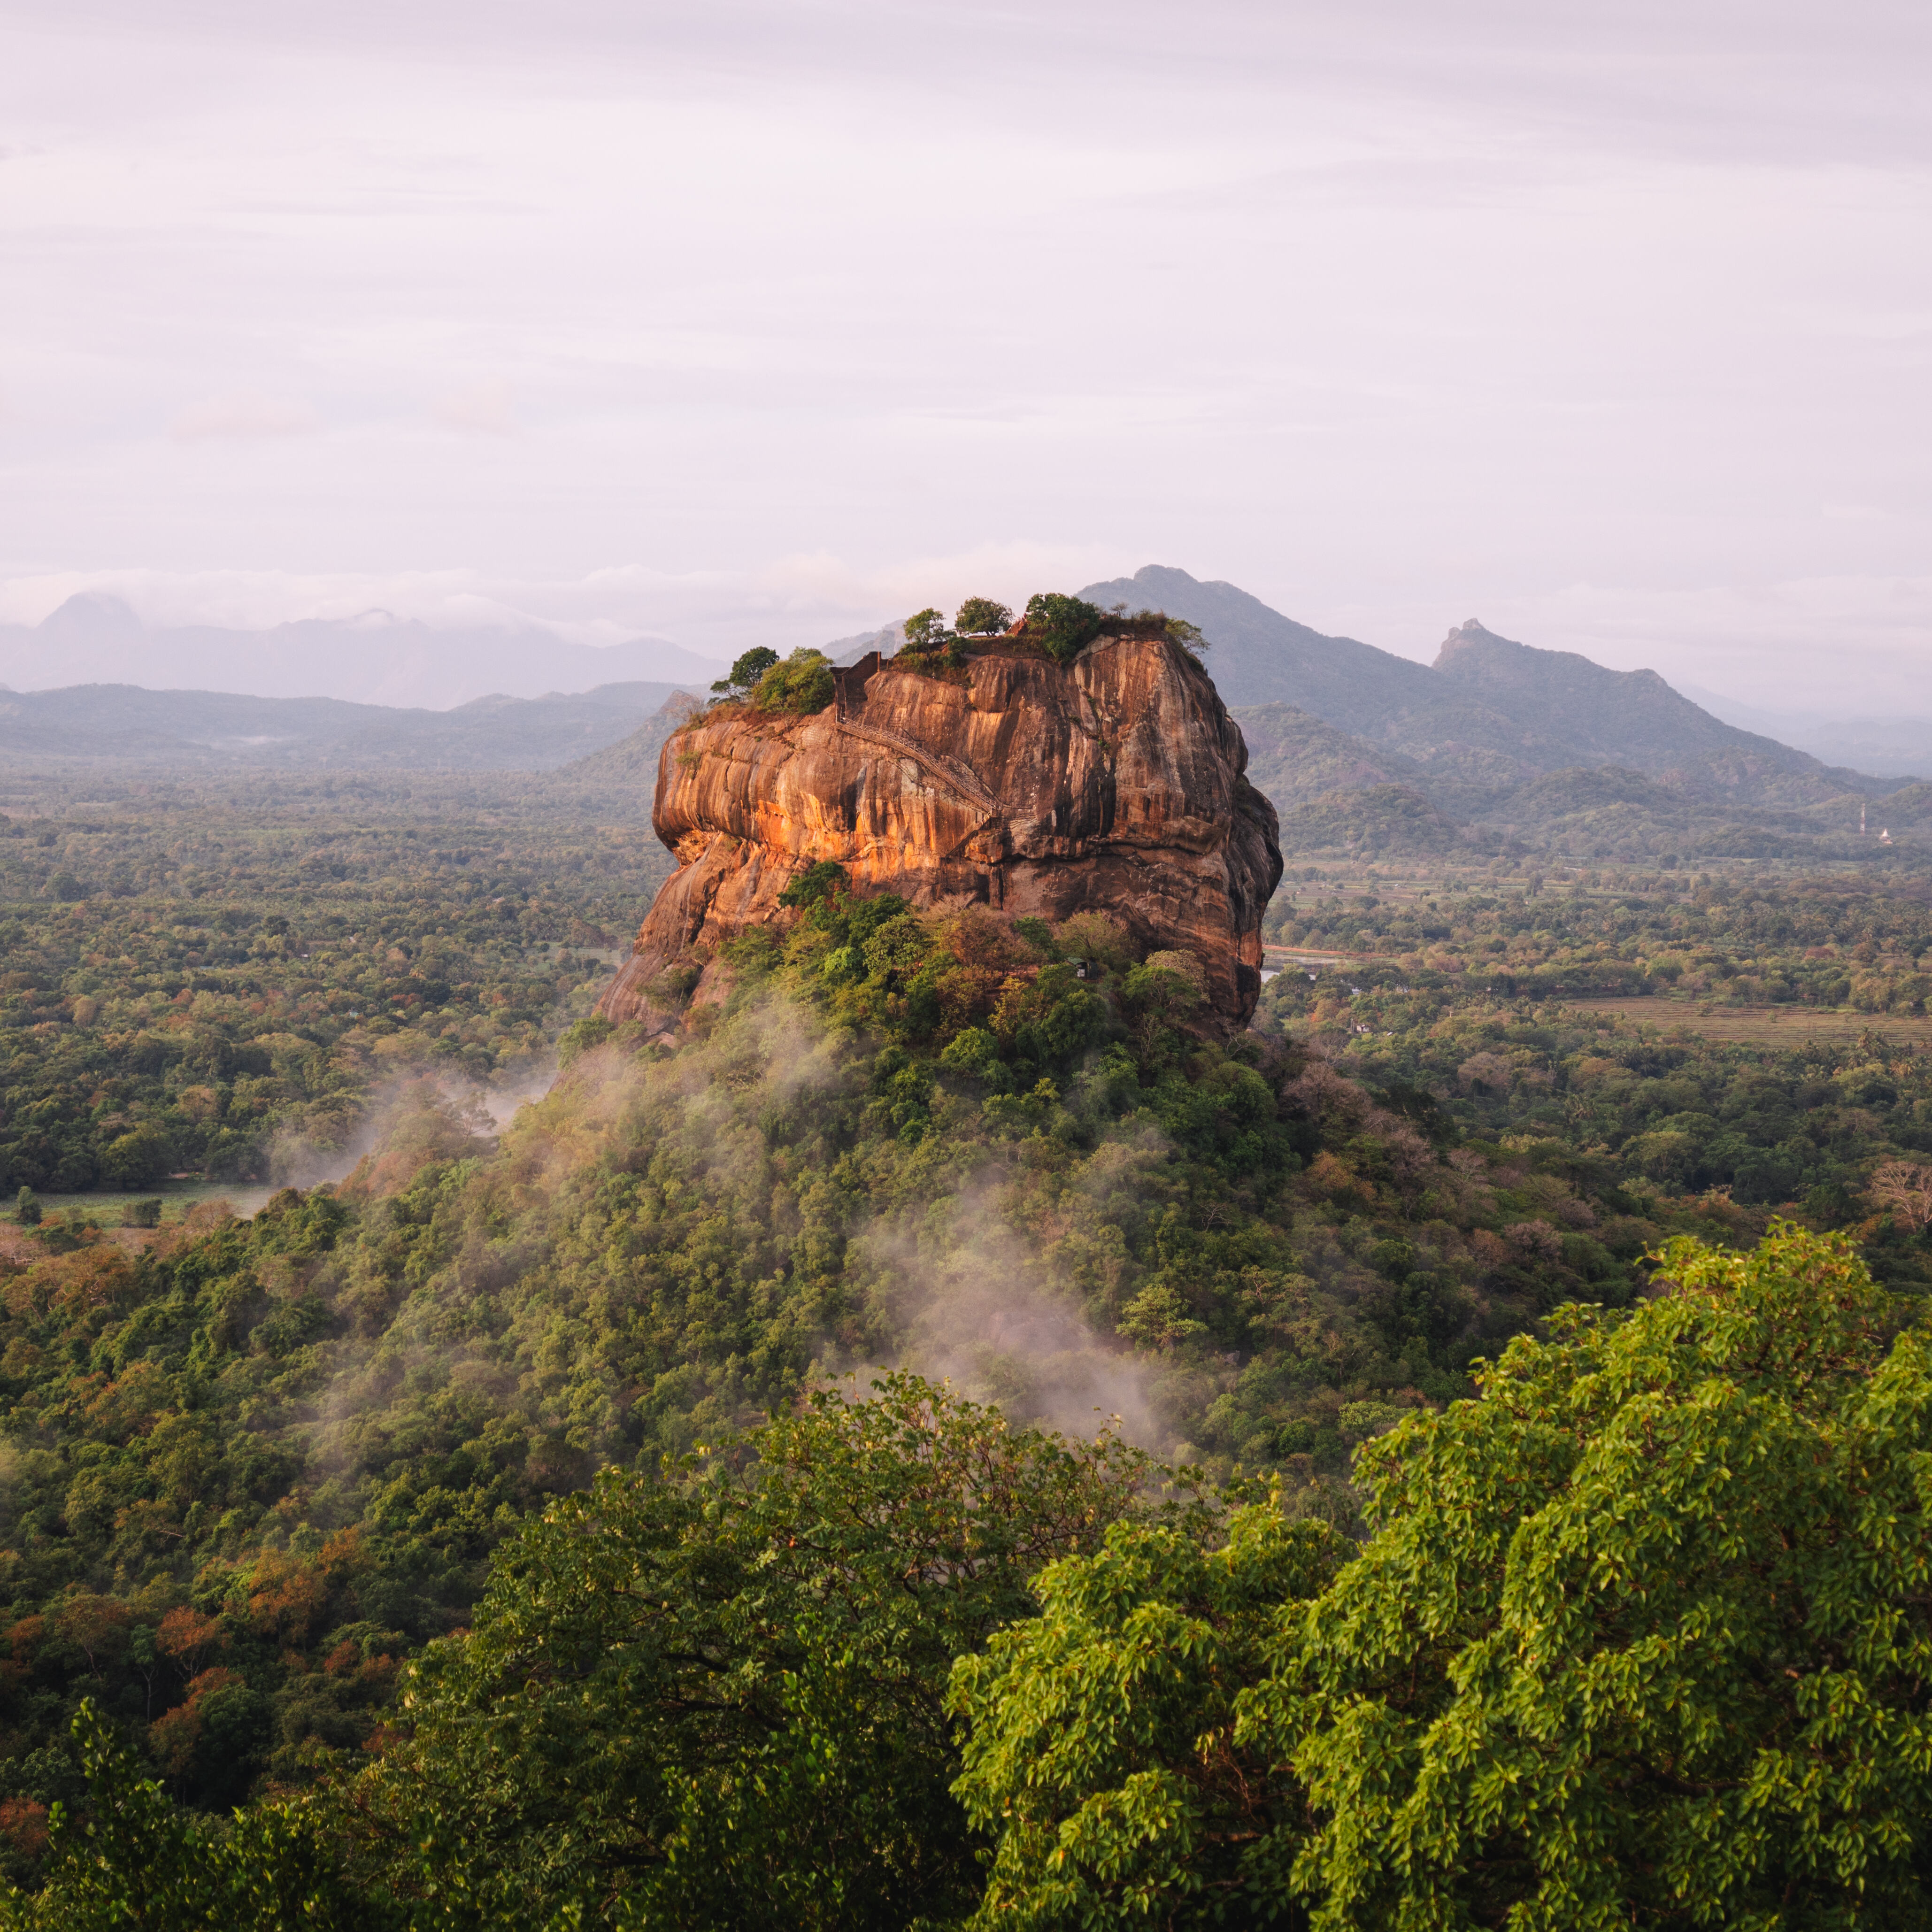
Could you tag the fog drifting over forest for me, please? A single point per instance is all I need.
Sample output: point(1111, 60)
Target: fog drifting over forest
point(766, 323)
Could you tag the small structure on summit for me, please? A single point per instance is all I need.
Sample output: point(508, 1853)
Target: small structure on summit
point(1038, 774)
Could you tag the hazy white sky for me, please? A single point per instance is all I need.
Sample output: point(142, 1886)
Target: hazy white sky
point(1608, 323)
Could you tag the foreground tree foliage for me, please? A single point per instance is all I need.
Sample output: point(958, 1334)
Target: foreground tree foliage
point(1101, 1742)
point(1641, 1637)
point(127, 1855)
point(715, 1697)
point(1644, 1636)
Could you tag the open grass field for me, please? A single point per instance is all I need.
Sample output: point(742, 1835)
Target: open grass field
point(107, 1206)
point(1774, 1026)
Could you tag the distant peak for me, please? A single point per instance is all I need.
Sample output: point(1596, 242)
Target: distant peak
point(1472, 636)
point(91, 613)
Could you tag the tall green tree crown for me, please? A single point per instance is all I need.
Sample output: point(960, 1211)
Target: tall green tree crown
point(980, 617)
point(1063, 625)
point(1641, 1637)
point(749, 669)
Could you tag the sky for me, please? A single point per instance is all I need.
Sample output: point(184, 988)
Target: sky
point(1607, 324)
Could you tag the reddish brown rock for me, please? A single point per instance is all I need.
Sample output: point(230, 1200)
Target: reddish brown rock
point(1113, 785)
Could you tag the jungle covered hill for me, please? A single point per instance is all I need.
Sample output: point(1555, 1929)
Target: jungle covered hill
point(892, 1662)
point(254, 1465)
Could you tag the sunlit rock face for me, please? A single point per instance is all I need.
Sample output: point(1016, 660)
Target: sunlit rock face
point(1113, 784)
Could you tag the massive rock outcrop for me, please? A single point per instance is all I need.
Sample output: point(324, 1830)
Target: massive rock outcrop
point(1113, 784)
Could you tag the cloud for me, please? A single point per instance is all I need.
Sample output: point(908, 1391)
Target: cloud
point(482, 409)
point(243, 414)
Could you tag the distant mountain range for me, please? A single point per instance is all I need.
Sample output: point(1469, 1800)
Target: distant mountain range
point(1489, 714)
point(376, 658)
point(121, 724)
point(1898, 747)
point(1499, 746)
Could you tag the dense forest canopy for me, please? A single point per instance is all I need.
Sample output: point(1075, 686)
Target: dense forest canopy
point(313, 1510)
point(217, 981)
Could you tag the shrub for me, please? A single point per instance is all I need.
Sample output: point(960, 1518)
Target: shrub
point(1094, 935)
point(929, 645)
point(825, 879)
point(1186, 635)
point(974, 1052)
point(802, 683)
point(1186, 965)
point(593, 1029)
point(926, 631)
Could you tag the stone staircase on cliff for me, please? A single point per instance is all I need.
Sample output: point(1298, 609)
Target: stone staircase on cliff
point(849, 686)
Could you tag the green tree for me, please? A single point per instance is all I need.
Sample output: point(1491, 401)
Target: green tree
point(745, 674)
point(719, 1698)
point(980, 617)
point(1064, 626)
point(927, 639)
point(138, 1158)
point(823, 879)
point(802, 682)
point(129, 1856)
point(1643, 1635)
point(27, 1208)
point(581, 1036)
point(926, 631)
point(1100, 1749)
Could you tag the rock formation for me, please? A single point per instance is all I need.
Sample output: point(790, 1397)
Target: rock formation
point(1113, 785)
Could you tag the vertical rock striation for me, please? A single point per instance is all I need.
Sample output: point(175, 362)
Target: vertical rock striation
point(1115, 784)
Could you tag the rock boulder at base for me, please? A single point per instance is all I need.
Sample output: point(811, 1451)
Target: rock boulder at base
point(1115, 784)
